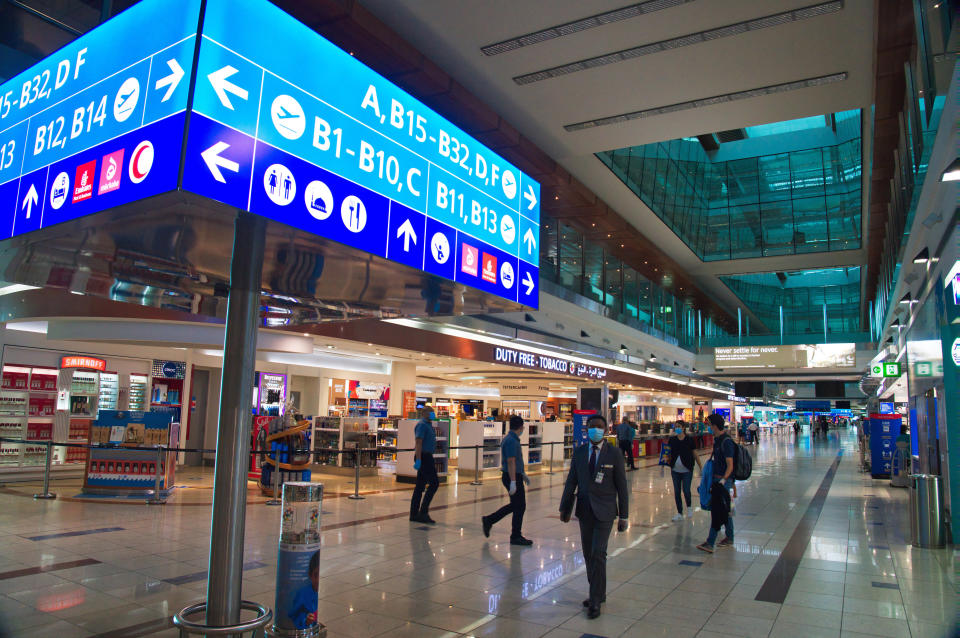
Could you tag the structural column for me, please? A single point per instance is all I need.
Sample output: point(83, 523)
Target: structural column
point(403, 377)
point(233, 430)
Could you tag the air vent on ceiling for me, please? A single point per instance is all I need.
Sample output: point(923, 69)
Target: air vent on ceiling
point(709, 101)
point(738, 28)
point(569, 28)
point(734, 135)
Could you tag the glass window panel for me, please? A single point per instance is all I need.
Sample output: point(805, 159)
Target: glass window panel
point(613, 284)
point(774, 177)
point(810, 224)
point(593, 271)
point(806, 172)
point(745, 237)
point(631, 292)
point(645, 299)
point(777, 221)
point(843, 214)
point(571, 259)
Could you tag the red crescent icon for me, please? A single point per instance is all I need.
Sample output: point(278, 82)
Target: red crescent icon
point(137, 172)
point(136, 162)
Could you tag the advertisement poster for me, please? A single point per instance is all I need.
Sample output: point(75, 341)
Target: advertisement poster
point(884, 430)
point(298, 578)
point(409, 404)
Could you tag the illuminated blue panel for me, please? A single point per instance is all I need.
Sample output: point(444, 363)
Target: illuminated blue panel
point(100, 122)
point(297, 130)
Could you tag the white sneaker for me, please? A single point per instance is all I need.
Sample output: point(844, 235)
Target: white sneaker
point(689, 513)
point(677, 517)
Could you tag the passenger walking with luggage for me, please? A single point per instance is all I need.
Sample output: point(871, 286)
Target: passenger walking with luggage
point(724, 451)
point(513, 478)
point(598, 481)
point(683, 456)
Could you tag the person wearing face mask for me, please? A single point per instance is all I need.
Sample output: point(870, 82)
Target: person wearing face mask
point(598, 480)
point(513, 478)
point(625, 436)
point(427, 477)
point(682, 458)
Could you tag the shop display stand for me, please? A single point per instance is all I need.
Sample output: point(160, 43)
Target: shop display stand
point(487, 434)
point(532, 441)
point(407, 440)
point(345, 433)
point(567, 440)
point(114, 469)
point(139, 390)
point(387, 434)
point(286, 460)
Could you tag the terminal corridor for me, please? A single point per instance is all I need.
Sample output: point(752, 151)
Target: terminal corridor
point(75, 569)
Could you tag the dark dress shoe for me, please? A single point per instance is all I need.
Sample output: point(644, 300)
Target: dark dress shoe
point(486, 526)
point(425, 518)
point(525, 542)
point(593, 612)
point(586, 603)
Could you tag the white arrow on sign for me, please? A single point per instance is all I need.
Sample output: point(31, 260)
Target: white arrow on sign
point(30, 200)
point(214, 162)
point(531, 197)
point(218, 79)
point(171, 81)
point(528, 282)
point(406, 230)
point(530, 240)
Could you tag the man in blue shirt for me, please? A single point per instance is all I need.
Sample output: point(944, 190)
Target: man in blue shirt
point(625, 434)
point(426, 471)
point(724, 451)
point(513, 477)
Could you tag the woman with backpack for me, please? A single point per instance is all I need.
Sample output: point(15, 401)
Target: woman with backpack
point(683, 456)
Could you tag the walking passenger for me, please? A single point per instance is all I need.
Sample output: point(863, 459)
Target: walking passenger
point(683, 455)
point(426, 470)
point(598, 481)
point(513, 478)
point(724, 450)
point(625, 434)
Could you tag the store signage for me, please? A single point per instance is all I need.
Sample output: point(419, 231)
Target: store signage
point(331, 147)
point(822, 355)
point(955, 351)
point(526, 389)
point(84, 363)
point(928, 369)
point(889, 369)
point(559, 365)
point(886, 408)
point(100, 122)
point(813, 406)
point(698, 402)
point(363, 390)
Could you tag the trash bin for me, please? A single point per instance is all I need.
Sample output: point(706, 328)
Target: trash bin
point(926, 511)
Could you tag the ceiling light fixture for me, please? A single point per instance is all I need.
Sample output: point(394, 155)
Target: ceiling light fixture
point(772, 89)
point(922, 257)
point(589, 22)
point(952, 172)
point(690, 39)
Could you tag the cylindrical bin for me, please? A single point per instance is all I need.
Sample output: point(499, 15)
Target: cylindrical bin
point(926, 511)
point(298, 563)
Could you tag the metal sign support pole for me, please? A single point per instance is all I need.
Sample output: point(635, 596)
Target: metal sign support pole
point(157, 498)
point(550, 467)
point(275, 500)
point(233, 429)
point(45, 494)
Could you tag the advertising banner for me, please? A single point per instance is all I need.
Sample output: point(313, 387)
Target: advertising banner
point(822, 355)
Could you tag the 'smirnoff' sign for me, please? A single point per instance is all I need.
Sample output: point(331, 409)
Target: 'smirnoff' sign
point(548, 364)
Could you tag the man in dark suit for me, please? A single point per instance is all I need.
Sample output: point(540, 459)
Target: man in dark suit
point(598, 480)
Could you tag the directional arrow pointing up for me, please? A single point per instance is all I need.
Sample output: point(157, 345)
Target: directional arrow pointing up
point(214, 162)
point(218, 79)
point(30, 200)
point(528, 282)
point(171, 81)
point(406, 230)
point(530, 240)
point(531, 197)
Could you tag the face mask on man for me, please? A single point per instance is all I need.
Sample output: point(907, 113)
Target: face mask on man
point(432, 416)
point(595, 434)
point(678, 430)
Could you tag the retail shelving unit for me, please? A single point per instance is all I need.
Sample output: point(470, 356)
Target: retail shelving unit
point(533, 450)
point(387, 434)
point(326, 435)
point(345, 433)
point(568, 443)
point(407, 440)
point(485, 433)
point(139, 390)
point(554, 434)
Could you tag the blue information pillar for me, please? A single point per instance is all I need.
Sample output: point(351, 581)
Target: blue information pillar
point(883, 430)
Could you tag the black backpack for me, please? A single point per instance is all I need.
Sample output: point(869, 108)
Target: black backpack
point(742, 463)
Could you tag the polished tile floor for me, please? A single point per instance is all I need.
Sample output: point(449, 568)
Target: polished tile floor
point(382, 575)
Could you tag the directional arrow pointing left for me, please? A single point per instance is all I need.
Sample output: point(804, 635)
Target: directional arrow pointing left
point(218, 79)
point(407, 232)
point(531, 197)
point(214, 162)
point(528, 282)
point(171, 81)
point(30, 200)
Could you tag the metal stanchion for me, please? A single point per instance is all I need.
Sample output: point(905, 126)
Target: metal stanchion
point(275, 500)
point(45, 494)
point(356, 477)
point(550, 467)
point(477, 470)
point(157, 498)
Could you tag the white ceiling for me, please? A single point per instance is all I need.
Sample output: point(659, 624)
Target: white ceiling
point(451, 34)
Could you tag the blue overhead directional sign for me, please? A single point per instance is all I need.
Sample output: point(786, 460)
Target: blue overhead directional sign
point(283, 124)
point(293, 128)
point(100, 122)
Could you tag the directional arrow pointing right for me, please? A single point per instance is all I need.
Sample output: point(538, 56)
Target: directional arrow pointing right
point(218, 79)
point(171, 81)
point(407, 232)
point(531, 197)
point(30, 200)
point(214, 162)
point(528, 282)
